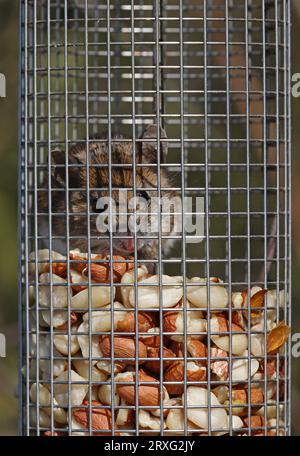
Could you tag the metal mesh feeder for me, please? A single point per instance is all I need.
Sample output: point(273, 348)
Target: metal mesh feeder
point(169, 313)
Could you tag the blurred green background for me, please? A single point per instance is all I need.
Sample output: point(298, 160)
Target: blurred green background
point(9, 16)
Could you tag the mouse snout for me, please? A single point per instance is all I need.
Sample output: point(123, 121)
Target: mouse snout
point(128, 244)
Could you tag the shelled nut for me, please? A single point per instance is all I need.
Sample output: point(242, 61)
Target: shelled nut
point(197, 294)
point(175, 373)
point(155, 365)
point(98, 296)
point(151, 296)
point(101, 419)
point(146, 321)
point(124, 348)
point(237, 342)
point(148, 393)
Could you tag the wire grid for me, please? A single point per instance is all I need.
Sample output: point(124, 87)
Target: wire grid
point(215, 75)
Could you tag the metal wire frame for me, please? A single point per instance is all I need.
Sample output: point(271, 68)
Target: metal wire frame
point(216, 77)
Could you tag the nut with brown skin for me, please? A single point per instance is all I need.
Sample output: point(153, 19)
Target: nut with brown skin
point(58, 268)
point(219, 363)
point(153, 340)
point(105, 367)
point(197, 349)
point(241, 395)
point(124, 348)
point(257, 303)
point(240, 398)
point(175, 373)
point(100, 272)
point(174, 323)
point(278, 337)
point(154, 366)
point(177, 348)
point(148, 391)
point(146, 321)
point(101, 418)
point(255, 422)
point(238, 341)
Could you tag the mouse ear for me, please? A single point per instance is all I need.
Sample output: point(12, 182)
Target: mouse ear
point(58, 170)
point(149, 146)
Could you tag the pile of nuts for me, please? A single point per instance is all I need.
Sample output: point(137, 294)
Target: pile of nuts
point(129, 351)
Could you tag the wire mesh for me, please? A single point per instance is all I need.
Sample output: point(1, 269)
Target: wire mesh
point(214, 74)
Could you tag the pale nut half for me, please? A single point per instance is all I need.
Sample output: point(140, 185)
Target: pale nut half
point(174, 322)
point(47, 367)
point(198, 295)
point(78, 281)
point(273, 302)
point(272, 409)
point(125, 416)
point(57, 294)
point(240, 368)
point(79, 389)
point(105, 366)
point(167, 402)
point(99, 297)
point(105, 395)
point(59, 318)
point(128, 281)
point(43, 257)
point(175, 422)
point(148, 421)
point(239, 342)
point(41, 395)
point(44, 418)
point(84, 339)
point(61, 342)
point(257, 341)
point(151, 297)
point(197, 396)
point(236, 424)
point(101, 320)
point(82, 367)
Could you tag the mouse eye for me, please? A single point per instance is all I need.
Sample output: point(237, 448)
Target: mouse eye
point(143, 194)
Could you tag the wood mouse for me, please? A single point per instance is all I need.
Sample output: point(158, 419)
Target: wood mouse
point(120, 176)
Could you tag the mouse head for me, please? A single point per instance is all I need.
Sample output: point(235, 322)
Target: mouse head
point(93, 183)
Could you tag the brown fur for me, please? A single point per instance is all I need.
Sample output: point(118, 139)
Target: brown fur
point(99, 183)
